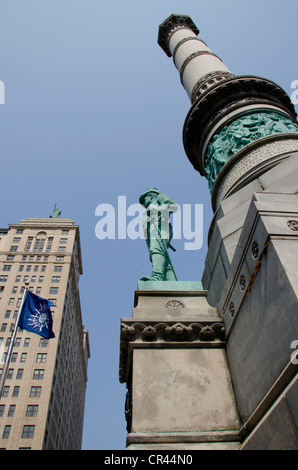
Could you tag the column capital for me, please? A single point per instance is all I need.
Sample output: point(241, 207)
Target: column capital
point(172, 22)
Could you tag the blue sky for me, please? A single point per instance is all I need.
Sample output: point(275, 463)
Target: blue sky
point(94, 109)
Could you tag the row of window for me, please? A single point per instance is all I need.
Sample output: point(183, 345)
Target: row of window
point(31, 411)
point(43, 342)
point(53, 290)
point(28, 431)
point(7, 267)
point(59, 258)
point(14, 249)
point(35, 391)
point(38, 374)
point(40, 357)
point(4, 277)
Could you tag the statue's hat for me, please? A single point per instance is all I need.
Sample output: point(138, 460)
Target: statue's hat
point(142, 197)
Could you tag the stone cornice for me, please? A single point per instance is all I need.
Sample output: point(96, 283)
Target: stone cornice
point(196, 334)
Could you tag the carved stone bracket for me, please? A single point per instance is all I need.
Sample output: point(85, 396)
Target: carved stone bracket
point(166, 332)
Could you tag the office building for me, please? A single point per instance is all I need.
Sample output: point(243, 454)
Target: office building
point(42, 404)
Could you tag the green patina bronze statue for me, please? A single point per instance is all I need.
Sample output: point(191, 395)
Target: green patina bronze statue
point(158, 233)
point(56, 212)
point(240, 132)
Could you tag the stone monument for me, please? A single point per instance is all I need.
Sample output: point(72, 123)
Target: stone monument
point(241, 134)
point(211, 365)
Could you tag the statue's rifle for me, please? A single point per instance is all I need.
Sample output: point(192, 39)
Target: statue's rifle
point(166, 249)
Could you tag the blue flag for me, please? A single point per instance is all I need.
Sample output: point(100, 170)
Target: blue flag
point(36, 316)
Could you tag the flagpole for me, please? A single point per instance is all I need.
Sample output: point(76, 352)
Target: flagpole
point(10, 348)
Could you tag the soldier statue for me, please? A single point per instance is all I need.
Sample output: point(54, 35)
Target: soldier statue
point(158, 234)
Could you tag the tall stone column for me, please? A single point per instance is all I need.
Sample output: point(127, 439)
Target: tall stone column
point(241, 134)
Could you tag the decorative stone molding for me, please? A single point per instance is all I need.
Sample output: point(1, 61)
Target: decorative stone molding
point(193, 56)
point(182, 42)
point(207, 82)
point(174, 304)
point(173, 22)
point(252, 161)
point(217, 100)
point(166, 332)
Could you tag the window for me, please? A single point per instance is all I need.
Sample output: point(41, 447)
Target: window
point(32, 410)
point(11, 410)
point(43, 343)
point(43, 268)
point(28, 431)
point(14, 290)
point(11, 301)
point(20, 373)
point(35, 391)
point(3, 278)
point(61, 249)
point(26, 342)
point(16, 240)
point(50, 242)
point(6, 432)
point(33, 278)
point(21, 268)
point(57, 269)
point(14, 357)
point(38, 290)
point(1, 288)
point(15, 392)
point(13, 248)
point(41, 357)
point(5, 391)
point(9, 257)
point(18, 278)
point(29, 243)
point(7, 267)
point(7, 313)
point(36, 268)
point(59, 259)
point(19, 231)
point(28, 268)
point(23, 357)
point(3, 326)
point(2, 410)
point(40, 278)
point(38, 374)
point(56, 279)
point(39, 244)
point(53, 290)
point(63, 240)
point(9, 374)
point(65, 232)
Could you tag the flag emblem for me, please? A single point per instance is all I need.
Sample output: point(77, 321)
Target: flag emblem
point(36, 316)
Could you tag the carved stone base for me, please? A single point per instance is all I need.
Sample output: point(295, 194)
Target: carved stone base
point(173, 361)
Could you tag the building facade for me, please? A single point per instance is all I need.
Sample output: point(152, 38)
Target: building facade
point(42, 404)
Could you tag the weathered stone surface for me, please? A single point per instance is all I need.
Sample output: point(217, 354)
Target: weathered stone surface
point(182, 390)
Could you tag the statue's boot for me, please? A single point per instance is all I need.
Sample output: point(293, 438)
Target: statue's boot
point(159, 265)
